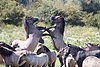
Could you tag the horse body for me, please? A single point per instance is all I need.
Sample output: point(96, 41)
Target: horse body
point(36, 60)
point(81, 55)
point(51, 54)
point(58, 32)
point(91, 61)
point(58, 40)
point(66, 51)
point(11, 58)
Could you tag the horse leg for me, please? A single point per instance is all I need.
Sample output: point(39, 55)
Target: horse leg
point(45, 65)
point(61, 61)
point(25, 65)
point(53, 64)
point(65, 62)
point(49, 64)
point(6, 65)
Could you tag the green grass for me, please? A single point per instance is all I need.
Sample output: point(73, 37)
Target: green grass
point(74, 35)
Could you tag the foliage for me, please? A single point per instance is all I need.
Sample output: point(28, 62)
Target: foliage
point(76, 12)
point(90, 5)
point(10, 12)
point(73, 10)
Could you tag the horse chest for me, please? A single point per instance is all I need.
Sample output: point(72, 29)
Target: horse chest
point(59, 43)
point(31, 43)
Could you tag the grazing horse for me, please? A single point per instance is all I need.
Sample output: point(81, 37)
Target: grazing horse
point(91, 61)
point(58, 41)
point(11, 58)
point(51, 54)
point(40, 60)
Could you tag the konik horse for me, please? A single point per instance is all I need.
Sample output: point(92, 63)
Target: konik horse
point(58, 41)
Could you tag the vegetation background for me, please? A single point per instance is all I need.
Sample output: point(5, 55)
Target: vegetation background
point(82, 19)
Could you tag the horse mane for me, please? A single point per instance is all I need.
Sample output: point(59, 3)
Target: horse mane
point(7, 46)
point(26, 27)
point(47, 50)
point(5, 51)
point(62, 25)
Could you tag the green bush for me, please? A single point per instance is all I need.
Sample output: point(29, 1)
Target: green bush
point(10, 12)
point(73, 11)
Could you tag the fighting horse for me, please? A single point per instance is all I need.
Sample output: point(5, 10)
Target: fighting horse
point(58, 41)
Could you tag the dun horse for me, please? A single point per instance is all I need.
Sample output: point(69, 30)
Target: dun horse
point(51, 54)
point(34, 60)
point(66, 51)
point(91, 61)
point(33, 35)
point(11, 58)
point(58, 41)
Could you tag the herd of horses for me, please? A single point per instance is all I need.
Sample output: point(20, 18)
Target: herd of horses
point(20, 53)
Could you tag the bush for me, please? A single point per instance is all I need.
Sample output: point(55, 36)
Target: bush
point(10, 12)
point(73, 10)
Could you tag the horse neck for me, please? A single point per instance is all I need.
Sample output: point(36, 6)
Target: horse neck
point(46, 49)
point(29, 28)
point(60, 27)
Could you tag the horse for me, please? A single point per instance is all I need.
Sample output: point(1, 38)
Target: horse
point(7, 46)
point(10, 57)
point(66, 51)
point(51, 54)
point(91, 47)
point(81, 55)
point(91, 61)
point(70, 61)
point(33, 35)
point(40, 60)
point(58, 41)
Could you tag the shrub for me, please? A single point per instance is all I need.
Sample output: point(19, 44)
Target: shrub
point(11, 12)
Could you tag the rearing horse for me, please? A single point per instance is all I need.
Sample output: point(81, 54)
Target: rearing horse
point(33, 33)
point(58, 32)
point(58, 41)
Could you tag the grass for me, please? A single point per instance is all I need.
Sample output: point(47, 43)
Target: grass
point(74, 35)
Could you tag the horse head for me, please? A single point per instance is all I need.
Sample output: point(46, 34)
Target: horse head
point(30, 19)
point(59, 21)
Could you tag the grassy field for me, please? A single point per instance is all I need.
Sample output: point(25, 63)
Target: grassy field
point(74, 35)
